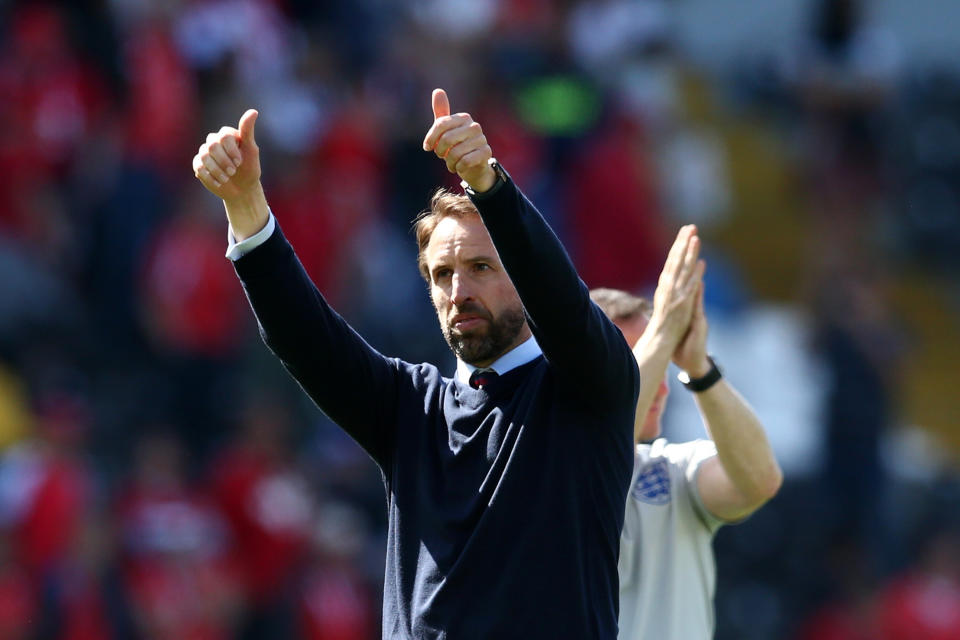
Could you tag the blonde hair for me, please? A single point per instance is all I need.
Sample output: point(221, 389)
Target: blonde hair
point(443, 204)
point(620, 305)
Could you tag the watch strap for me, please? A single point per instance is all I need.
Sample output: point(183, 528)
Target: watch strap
point(705, 381)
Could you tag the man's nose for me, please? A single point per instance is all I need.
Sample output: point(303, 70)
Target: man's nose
point(460, 290)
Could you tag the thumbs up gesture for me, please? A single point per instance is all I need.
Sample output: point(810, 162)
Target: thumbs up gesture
point(228, 163)
point(460, 142)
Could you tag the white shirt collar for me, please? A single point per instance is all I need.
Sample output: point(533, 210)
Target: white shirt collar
point(519, 355)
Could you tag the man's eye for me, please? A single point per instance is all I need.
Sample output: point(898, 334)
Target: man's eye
point(441, 273)
point(481, 266)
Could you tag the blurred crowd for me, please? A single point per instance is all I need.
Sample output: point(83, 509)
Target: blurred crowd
point(160, 475)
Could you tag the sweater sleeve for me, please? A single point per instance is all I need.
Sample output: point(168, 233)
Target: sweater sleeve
point(349, 380)
point(577, 338)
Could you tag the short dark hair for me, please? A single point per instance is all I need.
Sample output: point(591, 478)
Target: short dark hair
point(443, 204)
point(620, 305)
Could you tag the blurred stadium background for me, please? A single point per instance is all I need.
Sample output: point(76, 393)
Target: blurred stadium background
point(161, 477)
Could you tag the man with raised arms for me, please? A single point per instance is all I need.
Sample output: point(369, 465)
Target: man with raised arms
point(682, 493)
point(505, 482)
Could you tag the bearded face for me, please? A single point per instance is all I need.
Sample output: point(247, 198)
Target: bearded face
point(480, 313)
point(476, 336)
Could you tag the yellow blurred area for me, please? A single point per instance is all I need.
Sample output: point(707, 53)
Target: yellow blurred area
point(15, 417)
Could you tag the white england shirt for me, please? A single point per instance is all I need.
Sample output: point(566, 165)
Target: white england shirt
point(666, 546)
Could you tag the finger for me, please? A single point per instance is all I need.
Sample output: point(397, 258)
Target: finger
point(675, 254)
point(247, 124)
point(457, 153)
point(690, 257)
point(441, 104)
point(453, 137)
point(231, 145)
point(689, 287)
point(219, 154)
point(215, 169)
point(441, 127)
point(203, 175)
point(476, 158)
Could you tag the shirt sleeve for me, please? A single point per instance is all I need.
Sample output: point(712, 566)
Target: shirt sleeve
point(577, 339)
point(356, 386)
point(698, 452)
point(236, 250)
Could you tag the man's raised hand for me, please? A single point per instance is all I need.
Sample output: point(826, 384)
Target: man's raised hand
point(691, 354)
point(460, 142)
point(228, 163)
point(678, 288)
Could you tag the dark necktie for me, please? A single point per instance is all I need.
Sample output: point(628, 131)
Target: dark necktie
point(482, 377)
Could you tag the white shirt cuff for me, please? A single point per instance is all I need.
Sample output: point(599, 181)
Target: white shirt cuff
point(236, 250)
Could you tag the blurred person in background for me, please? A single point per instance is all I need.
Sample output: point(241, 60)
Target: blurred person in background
point(47, 482)
point(863, 349)
point(682, 493)
point(84, 598)
point(844, 82)
point(175, 560)
point(335, 601)
point(270, 511)
point(523, 445)
point(192, 314)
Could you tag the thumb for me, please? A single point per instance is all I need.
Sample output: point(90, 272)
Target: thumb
point(441, 104)
point(247, 123)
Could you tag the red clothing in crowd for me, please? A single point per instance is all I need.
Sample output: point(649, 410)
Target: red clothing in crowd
point(162, 102)
point(620, 240)
point(921, 607)
point(325, 203)
point(18, 602)
point(176, 567)
point(47, 529)
point(336, 604)
point(190, 292)
point(270, 512)
point(49, 102)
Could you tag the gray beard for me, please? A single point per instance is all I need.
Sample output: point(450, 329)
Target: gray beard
point(501, 333)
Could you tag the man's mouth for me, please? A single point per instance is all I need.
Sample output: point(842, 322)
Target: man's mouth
point(466, 321)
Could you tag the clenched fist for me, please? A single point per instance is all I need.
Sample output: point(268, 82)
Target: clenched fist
point(228, 165)
point(460, 142)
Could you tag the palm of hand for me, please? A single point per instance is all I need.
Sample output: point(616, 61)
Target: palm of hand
point(691, 353)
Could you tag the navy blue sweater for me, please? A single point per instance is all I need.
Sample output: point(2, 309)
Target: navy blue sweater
point(506, 503)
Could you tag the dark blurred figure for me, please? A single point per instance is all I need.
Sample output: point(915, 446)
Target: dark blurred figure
point(863, 349)
point(270, 510)
point(850, 611)
point(84, 598)
point(846, 78)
